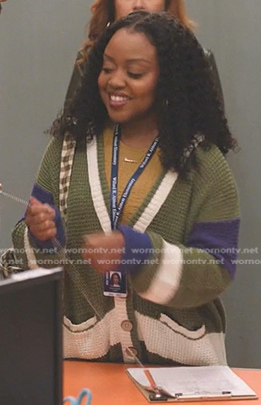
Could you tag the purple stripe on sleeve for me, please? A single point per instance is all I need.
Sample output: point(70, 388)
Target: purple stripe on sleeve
point(220, 239)
point(42, 195)
point(138, 248)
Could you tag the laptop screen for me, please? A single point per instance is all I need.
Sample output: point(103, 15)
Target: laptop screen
point(31, 338)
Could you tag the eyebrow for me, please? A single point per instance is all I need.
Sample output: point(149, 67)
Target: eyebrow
point(129, 60)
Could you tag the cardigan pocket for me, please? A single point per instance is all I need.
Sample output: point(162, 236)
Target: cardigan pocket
point(177, 328)
point(81, 327)
point(169, 340)
point(88, 340)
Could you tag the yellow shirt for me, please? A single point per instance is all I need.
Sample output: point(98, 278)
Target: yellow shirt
point(126, 169)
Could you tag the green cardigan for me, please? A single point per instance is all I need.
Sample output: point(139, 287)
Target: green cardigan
point(172, 314)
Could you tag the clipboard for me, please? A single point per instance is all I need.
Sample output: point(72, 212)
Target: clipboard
point(189, 384)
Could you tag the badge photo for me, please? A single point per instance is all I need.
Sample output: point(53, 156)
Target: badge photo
point(115, 284)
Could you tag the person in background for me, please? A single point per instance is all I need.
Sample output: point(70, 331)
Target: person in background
point(1, 1)
point(135, 181)
point(104, 12)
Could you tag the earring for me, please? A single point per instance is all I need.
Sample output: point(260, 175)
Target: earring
point(166, 102)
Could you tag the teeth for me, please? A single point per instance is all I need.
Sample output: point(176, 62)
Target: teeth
point(117, 98)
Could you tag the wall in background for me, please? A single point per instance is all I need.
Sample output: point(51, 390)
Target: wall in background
point(231, 29)
point(38, 45)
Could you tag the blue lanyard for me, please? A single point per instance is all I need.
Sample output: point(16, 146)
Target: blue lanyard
point(116, 209)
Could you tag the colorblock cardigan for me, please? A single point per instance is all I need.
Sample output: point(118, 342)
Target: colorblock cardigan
point(172, 314)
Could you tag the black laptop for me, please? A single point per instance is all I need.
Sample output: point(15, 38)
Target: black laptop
point(31, 338)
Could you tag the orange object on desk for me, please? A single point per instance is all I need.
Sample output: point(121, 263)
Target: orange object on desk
point(110, 385)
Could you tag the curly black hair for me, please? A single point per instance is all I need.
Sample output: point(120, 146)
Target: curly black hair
point(186, 99)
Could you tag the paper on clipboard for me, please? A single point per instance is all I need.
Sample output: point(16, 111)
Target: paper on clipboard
point(194, 383)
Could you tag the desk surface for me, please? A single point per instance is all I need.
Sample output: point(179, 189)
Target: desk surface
point(110, 385)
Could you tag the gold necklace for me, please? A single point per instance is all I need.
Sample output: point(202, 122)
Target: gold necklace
point(130, 160)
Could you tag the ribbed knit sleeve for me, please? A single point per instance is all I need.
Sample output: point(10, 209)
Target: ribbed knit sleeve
point(28, 252)
point(194, 271)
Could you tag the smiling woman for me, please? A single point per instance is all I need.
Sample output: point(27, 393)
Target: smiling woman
point(147, 95)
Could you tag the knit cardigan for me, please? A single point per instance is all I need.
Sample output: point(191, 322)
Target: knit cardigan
point(172, 314)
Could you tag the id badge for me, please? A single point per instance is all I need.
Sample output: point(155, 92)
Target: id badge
point(115, 284)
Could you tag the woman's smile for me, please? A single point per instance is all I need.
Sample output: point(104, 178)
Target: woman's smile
point(118, 100)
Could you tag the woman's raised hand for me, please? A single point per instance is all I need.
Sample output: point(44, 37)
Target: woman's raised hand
point(40, 219)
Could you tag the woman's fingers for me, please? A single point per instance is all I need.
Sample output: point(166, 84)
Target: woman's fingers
point(40, 213)
point(104, 252)
point(40, 219)
point(44, 234)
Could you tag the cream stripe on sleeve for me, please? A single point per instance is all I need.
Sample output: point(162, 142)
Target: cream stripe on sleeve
point(167, 278)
